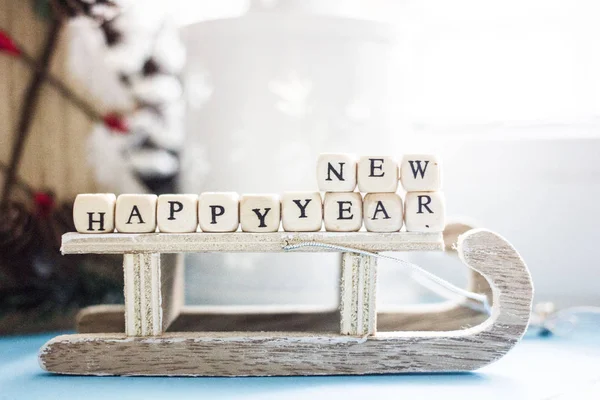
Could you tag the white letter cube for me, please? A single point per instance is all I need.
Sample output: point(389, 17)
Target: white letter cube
point(177, 213)
point(383, 212)
point(302, 211)
point(260, 212)
point(336, 172)
point(421, 173)
point(219, 211)
point(342, 212)
point(94, 213)
point(377, 174)
point(136, 213)
point(425, 212)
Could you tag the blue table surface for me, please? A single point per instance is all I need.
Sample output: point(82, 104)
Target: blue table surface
point(537, 368)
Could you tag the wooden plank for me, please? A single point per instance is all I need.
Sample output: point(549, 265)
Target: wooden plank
point(143, 315)
point(132, 295)
point(115, 243)
point(358, 312)
point(153, 292)
point(293, 353)
point(263, 354)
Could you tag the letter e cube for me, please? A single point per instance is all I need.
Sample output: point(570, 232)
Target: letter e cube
point(342, 212)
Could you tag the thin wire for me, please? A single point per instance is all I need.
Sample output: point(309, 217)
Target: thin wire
point(479, 302)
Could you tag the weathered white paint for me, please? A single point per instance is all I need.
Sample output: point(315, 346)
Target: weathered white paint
point(116, 243)
point(143, 299)
point(358, 312)
point(293, 353)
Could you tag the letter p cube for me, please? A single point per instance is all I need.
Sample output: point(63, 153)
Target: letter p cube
point(219, 211)
point(177, 213)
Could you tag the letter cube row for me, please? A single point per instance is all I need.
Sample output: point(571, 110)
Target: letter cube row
point(384, 212)
point(183, 213)
point(378, 174)
point(225, 212)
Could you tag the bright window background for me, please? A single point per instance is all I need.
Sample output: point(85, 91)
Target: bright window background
point(474, 62)
point(508, 93)
point(510, 61)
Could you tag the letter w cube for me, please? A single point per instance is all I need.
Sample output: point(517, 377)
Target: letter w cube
point(421, 173)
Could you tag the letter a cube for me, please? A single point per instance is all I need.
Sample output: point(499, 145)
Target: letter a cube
point(383, 212)
point(136, 213)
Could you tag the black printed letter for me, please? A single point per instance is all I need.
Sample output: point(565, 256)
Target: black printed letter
point(135, 212)
point(374, 167)
point(342, 210)
point(302, 207)
point(380, 208)
point(216, 211)
point(172, 209)
point(424, 204)
point(91, 221)
point(418, 169)
point(339, 175)
point(261, 217)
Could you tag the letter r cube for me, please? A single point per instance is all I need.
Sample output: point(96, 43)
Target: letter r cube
point(425, 212)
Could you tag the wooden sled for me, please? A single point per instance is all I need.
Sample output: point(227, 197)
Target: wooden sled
point(354, 340)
